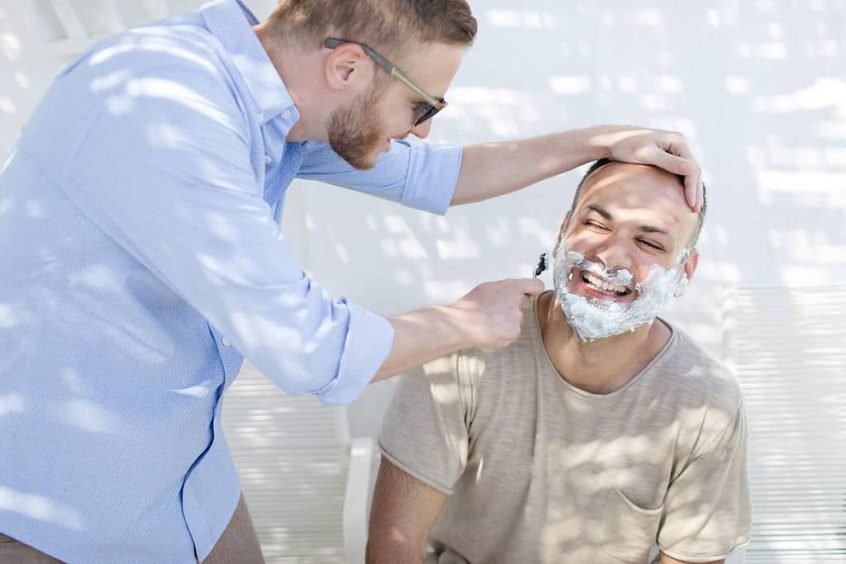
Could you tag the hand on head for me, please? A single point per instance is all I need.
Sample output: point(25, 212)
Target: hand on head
point(665, 149)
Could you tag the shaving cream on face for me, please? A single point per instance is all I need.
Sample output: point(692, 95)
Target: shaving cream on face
point(592, 318)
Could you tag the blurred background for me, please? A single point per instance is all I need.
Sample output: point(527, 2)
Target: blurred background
point(758, 86)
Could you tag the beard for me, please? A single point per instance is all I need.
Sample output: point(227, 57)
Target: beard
point(354, 131)
point(594, 319)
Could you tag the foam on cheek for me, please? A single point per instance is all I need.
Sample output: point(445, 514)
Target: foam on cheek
point(594, 319)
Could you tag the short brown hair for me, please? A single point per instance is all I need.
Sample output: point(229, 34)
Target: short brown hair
point(699, 220)
point(386, 24)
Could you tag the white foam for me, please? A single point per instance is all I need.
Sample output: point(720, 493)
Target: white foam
point(593, 318)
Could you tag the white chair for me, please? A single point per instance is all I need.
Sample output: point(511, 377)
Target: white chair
point(306, 482)
point(788, 350)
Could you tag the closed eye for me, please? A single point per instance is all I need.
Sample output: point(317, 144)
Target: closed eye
point(651, 244)
point(596, 224)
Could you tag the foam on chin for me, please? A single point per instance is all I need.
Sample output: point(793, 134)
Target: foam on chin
point(594, 319)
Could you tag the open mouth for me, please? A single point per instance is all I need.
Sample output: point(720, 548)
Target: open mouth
point(601, 286)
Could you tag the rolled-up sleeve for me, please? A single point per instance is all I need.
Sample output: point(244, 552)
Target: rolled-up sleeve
point(165, 169)
point(416, 174)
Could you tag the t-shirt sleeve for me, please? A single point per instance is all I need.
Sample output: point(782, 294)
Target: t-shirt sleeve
point(707, 507)
point(424, 432)
point(416, 174)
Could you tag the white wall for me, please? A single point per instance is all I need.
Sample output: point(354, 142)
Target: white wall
point(758, 86)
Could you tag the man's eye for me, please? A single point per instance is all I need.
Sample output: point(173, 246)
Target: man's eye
point(417, 110)
point(651, 245)
point(595, 224)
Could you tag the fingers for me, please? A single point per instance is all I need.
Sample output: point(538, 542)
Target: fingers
point(670, 162)
point(683, 166)
point(499, 308)
point(530, 287)
point(693, 190)
point(670, 151)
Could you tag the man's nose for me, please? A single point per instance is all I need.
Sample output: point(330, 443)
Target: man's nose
point(612, 254)
point(422, 130)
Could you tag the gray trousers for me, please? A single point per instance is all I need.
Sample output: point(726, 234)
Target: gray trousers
point(239, 544)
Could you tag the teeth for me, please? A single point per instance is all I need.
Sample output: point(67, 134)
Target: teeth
point(603, 285)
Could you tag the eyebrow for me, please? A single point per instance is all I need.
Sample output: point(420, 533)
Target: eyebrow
point(601, 211)
point(607, 215)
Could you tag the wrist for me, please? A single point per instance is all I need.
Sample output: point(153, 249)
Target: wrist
point(457, 324)
point(601, 139)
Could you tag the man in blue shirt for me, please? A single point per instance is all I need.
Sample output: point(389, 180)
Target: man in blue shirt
point(142, 258)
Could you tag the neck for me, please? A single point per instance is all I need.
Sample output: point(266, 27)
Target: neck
point(601, 366)
point(300, 70)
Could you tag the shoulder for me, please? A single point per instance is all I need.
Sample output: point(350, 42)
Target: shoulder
point(474, 373)
point(698, 376)
point(701, 392)
point(176, 40)
point(168, 60)
point(517, 360)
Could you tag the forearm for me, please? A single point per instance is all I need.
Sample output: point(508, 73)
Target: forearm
point(403, 512)
point(490, 315)
point(494, 169)
point(395, 547)
point(420, 336)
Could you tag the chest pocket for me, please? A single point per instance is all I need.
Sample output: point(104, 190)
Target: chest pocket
point(629, 531)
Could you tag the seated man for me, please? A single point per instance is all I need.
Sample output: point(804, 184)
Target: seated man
point(602, 434)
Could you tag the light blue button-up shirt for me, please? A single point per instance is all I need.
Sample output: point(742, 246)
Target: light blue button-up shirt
point(140, 258)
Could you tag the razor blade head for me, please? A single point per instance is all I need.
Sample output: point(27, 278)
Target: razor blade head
point(542, 264)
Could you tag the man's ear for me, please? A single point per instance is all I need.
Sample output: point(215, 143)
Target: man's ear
point(689, 268)
point(347, 66)
point(690, 264)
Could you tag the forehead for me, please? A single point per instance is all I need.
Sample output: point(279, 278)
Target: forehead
point(639, 192)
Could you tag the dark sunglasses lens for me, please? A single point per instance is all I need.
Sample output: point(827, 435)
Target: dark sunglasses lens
point(426, 112)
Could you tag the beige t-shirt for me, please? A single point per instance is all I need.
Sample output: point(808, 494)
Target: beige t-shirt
point(541, 471)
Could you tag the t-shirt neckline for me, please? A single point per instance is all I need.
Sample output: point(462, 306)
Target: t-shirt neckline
point(548, 365)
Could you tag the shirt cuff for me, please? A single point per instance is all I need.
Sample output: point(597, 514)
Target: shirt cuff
point(432, 177)
point(368, 343)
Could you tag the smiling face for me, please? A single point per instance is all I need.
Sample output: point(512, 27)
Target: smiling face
point(361, 130)
point(627, 219)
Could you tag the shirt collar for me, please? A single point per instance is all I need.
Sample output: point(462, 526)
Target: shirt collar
point(230, 21)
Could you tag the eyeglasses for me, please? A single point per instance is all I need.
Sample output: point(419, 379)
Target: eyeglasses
point(425, 111)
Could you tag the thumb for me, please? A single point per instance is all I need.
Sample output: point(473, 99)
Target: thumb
point(529, 286)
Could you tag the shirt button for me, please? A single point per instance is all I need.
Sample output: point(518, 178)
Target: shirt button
point(268, 159)
point(286, 114)
point(225, 342)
